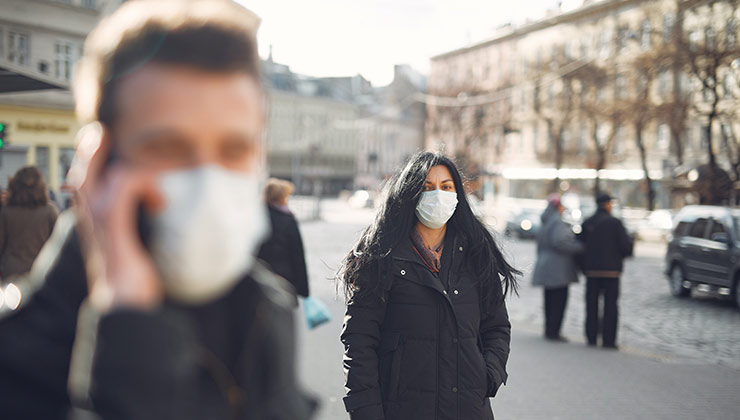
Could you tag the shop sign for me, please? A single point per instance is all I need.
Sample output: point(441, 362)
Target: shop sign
point(43, 127)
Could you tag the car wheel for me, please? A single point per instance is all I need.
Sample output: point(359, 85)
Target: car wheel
point(677, 280)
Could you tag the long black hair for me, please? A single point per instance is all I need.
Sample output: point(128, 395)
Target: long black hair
point(395, 220)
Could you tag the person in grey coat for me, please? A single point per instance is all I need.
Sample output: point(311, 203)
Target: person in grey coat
point(556, 266)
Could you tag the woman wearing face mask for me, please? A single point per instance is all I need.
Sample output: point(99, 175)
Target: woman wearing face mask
point(426, 332)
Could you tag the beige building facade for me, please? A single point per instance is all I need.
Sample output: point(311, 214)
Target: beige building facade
point(40, 43)
point(496, 105)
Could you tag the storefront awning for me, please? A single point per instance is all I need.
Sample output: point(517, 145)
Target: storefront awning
point(11, 81)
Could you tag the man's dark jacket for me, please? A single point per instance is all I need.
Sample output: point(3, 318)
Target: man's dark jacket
point(283, 252)
point(428, 350)
point(232, 358)
point(606, 243)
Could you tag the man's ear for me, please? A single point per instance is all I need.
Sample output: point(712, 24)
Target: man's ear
point(91, 156)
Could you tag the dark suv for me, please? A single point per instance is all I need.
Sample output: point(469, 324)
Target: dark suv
point(705, 250)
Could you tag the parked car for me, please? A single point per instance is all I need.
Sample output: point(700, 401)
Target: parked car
point(578, 208)
point(705, 251)
point(361, 199)
point(656, 227)
point(524, 223)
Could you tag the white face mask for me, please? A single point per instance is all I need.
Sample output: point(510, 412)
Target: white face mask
point(436, 207)
point(207, 237)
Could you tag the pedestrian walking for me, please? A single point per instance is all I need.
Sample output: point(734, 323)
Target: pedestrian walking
point(426, 332)
point(283, 251)
point(556, 267)
point(150, 302)
point(26, 221)
point(606, 244)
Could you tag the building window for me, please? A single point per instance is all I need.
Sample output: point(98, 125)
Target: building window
point(64, 59)
point(622, 37)
point(582, 134)
point(663, 82)
point(667, 28)
point(585, 44)
point(90, 4)
point(65, 162)
point(694, 37)
point(664, 135)
point(621, 85)
point(18, 48)
point(731, 33)
point(619, 139)
point(645, 35)
point(42, 161)
point(604, 45)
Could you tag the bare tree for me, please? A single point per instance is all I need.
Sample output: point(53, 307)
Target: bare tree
point(555, 102)
point(644, 69)
point(598, 106)
point(472, 116)
point(709, 44)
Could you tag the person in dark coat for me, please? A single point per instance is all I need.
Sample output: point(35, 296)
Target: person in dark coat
point(606, 244)
point(283, 251)
point(148, 302)
point(426, 332)
point(26, 222)
point(555, 268)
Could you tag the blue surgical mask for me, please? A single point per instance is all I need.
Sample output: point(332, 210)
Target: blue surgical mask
point(436, 207)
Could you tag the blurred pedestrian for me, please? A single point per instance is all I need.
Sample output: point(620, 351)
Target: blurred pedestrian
point(556, 267)
point(426, 332)
point(283, 251)
point(170, 313)
point(26, 221)
point(606, 244)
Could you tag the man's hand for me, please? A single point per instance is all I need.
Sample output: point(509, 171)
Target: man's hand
point(120, 271)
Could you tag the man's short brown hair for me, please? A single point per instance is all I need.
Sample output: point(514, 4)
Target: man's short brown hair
point(210, 35)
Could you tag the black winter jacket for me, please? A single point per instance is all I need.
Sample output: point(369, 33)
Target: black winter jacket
point(229, 359)
point(424, 351)
point(283, 252)
point(606, 243)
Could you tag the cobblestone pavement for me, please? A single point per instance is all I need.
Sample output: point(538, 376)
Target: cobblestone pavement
point(704, 330)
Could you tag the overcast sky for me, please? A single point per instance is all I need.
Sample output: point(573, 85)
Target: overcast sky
point(347, 37)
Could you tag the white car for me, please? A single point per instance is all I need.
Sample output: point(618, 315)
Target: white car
point(656, 227)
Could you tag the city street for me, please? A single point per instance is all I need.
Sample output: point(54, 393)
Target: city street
point(679, 359)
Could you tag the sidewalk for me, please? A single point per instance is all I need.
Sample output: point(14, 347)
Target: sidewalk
point(572, 381)
point(547, 381)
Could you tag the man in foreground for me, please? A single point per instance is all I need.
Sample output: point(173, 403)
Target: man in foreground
point(153, 279)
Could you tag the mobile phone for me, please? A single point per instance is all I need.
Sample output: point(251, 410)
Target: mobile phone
point(143, 218)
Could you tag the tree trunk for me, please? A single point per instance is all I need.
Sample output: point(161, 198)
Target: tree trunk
point(732, 148)
point(710, 145)
point(600, 159)
point(650, 191)
point(677, 142)
point(556, 139)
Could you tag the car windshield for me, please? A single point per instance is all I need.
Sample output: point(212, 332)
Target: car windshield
point(736, 219)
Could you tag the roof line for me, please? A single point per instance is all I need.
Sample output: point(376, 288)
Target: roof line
point(540, 24)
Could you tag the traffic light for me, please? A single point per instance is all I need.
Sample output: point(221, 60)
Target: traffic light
point(3, 134)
